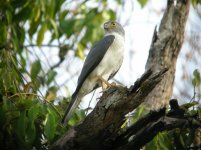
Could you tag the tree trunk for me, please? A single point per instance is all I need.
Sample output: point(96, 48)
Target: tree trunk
point(164, 51)
point(102, 127)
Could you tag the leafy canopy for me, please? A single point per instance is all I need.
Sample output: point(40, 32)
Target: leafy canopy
point(29, 108)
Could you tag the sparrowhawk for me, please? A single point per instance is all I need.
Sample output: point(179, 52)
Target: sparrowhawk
point(101, 64)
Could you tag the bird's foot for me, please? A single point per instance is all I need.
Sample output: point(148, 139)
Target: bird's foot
point(103, 83)
point(110, 85)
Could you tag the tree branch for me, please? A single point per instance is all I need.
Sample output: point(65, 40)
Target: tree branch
point(103, 123)
point(146, 128)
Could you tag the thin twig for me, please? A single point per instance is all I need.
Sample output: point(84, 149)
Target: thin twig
point(44, 45)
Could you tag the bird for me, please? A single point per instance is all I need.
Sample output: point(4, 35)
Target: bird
point(101, 64)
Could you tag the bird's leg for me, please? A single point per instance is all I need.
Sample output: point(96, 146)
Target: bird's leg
point(103, 83)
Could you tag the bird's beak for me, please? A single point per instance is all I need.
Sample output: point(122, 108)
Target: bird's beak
point(106, 26)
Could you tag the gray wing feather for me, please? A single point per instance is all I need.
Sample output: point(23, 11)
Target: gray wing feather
point(71, 106)
point(94, 58)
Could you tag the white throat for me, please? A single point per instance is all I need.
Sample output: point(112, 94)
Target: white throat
point(117, 35)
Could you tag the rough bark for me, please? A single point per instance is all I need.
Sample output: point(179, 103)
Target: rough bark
point(101, 128)
point(102, 125)
point(146, 134)
point(164, 50)
point(146, 128)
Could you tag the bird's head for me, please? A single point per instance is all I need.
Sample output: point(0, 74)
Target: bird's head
point(113, 27)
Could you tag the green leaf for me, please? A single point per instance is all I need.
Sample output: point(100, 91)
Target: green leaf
point(50, 76)
point(22, 15)
point(41, 34)
point(18, 37)
point(194, 82)
point(196, 79)
point(139, 112)
point(143, 2)
point(33, 112)
point(196, 2)
point(34, 24)
point(50, 127)
point(9, 16)
point(51, 94)
point(80, 51)
point(190, 137)
point(31, 133)
point(199, 111)
point(2, 113)
point(161, 141)
point(50, 8)
point(54, 25)
point(67, 26)
point(80, 114)
point(189, 105)
point(63, 14)
point(3, 36)
point(179, 141)
point(76, 117)
point(37, 13)
point(164, 141)
point(23, 62)
point(35, 69)
point(21, 126)
point(119, 1)
point(151, 145)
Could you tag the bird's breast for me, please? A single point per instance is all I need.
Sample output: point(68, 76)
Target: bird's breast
point(112, 59)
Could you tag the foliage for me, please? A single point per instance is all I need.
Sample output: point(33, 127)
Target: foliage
point(30, 109)
point(196, 2)
point(196, 78)
point(142, 2)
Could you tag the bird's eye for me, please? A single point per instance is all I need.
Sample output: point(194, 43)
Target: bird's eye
point(114, 24)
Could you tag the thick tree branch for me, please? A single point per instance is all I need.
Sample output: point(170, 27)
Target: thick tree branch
point(139, 138)
point(102, 125)
point(146, 128)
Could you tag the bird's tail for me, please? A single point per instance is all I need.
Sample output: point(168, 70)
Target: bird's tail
point(75, 100)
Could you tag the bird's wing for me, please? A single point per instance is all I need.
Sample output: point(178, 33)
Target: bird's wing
point(94, 58)
point(71, 107)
